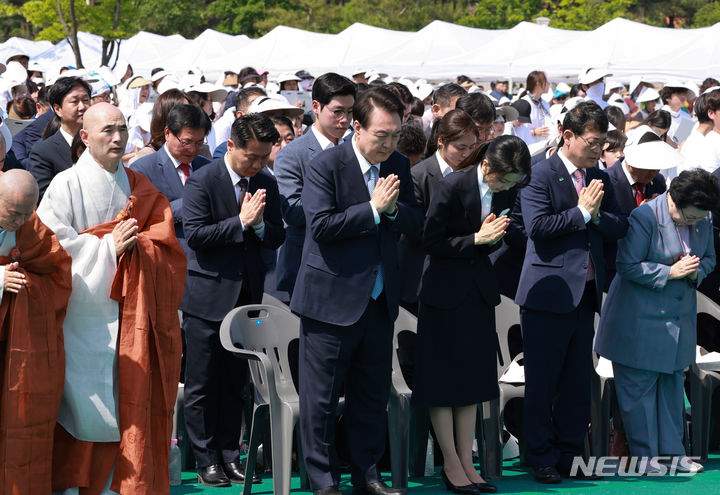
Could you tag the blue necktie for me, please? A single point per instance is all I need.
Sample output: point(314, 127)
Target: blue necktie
point(371, 183)
point(3, 232)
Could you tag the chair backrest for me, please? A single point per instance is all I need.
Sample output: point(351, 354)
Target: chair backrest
point(267, 329)
point(507, 317)
point(269, 300)
point(405, 322)
point(707, 306)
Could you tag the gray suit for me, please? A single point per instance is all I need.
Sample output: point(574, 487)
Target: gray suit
point(648, 326)
point(289, 171)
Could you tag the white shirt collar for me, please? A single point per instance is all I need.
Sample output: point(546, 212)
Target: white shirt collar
point(445, 169)
point(571, 168)
point(324, 142)
point(627, 174)
point(235, 178)
point(364, 164)
point(67, 136)
point(172, 158)
point(484, 187)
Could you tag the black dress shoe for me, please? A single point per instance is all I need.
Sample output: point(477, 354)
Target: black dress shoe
point(548, 475)
point(236, 473)
point(378, 488)
point(213, 475)
point(328, 490)
point(485, 487)
point(470, 489)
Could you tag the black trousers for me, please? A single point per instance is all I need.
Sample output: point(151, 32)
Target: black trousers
point(558, 365)
point(214, 381)
point(360, 357)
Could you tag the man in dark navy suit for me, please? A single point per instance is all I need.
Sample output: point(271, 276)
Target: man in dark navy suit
point(231, 209)
point(358, 198)
point(569, 209)
point(171, 166)
point(69, 98)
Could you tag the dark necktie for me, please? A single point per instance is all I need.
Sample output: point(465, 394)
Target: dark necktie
point(639, 196)
point(243, 185)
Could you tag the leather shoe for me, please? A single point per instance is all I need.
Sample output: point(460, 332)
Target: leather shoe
point(470, 489)
point(213, 475)
point(328, 490)
point(236, 473)
point(548, 475)
point(377, 488)
point(485, 487)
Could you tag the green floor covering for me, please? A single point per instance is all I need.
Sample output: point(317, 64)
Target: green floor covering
point(516, 480)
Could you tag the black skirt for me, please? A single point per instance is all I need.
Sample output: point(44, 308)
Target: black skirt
point(456, 360)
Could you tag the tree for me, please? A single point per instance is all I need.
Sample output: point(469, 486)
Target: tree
point(707, 15)
point(585, 14)
point(492, 14)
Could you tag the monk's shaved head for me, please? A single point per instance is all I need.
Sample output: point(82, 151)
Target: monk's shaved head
point(18, 197)
point(105, 134)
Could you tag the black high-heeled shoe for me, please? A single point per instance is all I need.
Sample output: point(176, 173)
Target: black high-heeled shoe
point(470, 489)
point(485, 487)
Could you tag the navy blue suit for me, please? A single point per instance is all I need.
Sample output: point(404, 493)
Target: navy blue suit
point(346, 336)
point(225, 269)
point(160, 169)
point(558, 305)
point(24, 140)
point(625, 196)
point(48, 158)
point(288, 166)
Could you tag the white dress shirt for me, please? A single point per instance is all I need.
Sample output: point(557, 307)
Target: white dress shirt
point(571, 168)
point(235, 178)
point(325, 143)
point(486, 194)
point(445, 169)
point(180, 173)
point(364, 168)
point(67, 136)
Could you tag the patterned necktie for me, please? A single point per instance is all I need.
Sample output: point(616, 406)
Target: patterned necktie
point(639, 196)
point(243, 185)
point(579, 178)
point(185, 168)
point(3, 233)
point(372, 178)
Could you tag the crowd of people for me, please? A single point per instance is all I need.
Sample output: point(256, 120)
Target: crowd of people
point(123, 201)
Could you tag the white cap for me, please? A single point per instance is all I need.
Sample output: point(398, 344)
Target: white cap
point(15, 73)
point(711, 89)
point(592, 74)
point(424, 90)
point(215, 93)
point(159, 75)
point(693, 87)
point(35, 67)
point(562, 89)
point(611, 84)
point(270, 103)
point(648, 94)
point(287, 77)
point(653, 155)
point(635, 82)
point(169, 82)
point(676, 83)
point(98, 88)
point(617, 100)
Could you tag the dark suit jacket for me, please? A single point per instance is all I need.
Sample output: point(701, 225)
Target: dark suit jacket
point(625, 197)
point(48, 158)
point(508, 258)
point(425, 176)
point(343, 246)
point(223, 256)
point(456, 264)
point(24, 140)
point(159, 168)
point(556, 262)
point(288, 167)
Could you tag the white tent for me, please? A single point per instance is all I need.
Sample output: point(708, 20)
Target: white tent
point(15, 46)
point(211, 51)
point(146, 51)
point(62, 55)
point(365, 46)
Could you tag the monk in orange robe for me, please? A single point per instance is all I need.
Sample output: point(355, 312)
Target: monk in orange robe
point(35, 285)
point(128, 268)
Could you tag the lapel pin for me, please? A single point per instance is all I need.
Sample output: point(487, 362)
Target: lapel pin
point(561, 179)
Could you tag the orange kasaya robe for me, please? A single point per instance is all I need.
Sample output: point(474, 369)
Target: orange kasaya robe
point(148, 287)
point(32, 359)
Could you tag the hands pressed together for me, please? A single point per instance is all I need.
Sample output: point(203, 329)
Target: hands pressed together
point(384, 197)
point(14, 280)
point(253, 207)
point(590, 197)
point(125, 235)
point(687, 266)
point(492, 229)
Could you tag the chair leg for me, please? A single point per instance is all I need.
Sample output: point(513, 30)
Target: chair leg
point(419, 431)
point(304, 479)
point(281, 433)
point(398, 427)
point(491, 439)
point(258, 428)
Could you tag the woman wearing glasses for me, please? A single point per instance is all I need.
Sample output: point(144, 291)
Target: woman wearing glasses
point(456, 361)
point(648, 323)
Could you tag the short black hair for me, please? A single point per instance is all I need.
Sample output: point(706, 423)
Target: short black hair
point(330, 85)
point(63, 86)
point(282, 120)
point(418, 107)
point(189, 116)
point(616, 117)
point(412, 139)
point(711, 101)
point(697, 188)
point(479, 106)
point(376, 97)
point(616, 140)
point(587, 115)
point(659, 118)
point(701, 107)
point(253, 126)
point(402, 92)
point(709, 82)
point(243, 97)
point(43, 96)
point(444, 94)
point(667, 92)
point(505, 155)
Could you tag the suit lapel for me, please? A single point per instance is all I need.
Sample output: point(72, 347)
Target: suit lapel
point(350, 169)
point(666, 228)
point(471, 199)
point(225, 190)
point(564, 182)
point(170, 173)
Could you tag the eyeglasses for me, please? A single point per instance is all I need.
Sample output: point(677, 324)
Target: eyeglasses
point(597, 143)
point(339, 113)
point(186, 143)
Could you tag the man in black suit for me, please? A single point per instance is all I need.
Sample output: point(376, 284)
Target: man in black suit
point(225, 270)
point(69, 98)
point(357, 199)
point(24, 140)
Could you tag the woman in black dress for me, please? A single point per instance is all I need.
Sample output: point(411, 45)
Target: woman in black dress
point(456, 364)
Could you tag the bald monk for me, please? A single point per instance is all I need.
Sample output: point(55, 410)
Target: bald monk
point(35, 285)
point(122, 334)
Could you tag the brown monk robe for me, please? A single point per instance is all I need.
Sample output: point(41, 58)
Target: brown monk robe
point(148, 285)
point(36, 287)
